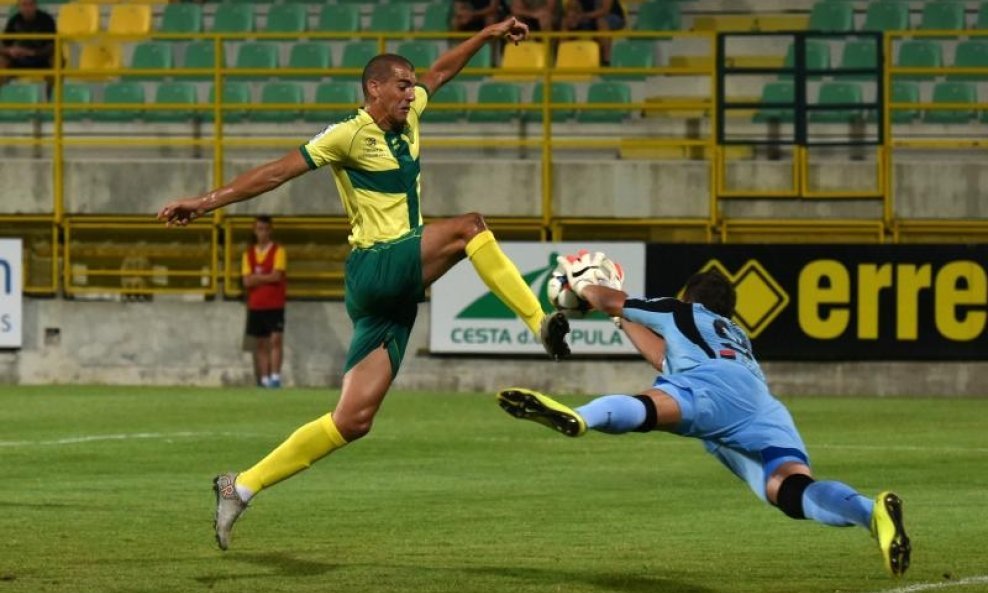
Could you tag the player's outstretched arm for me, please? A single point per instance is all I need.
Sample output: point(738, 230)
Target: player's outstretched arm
point(604, 299)
point(649, 344)
point(259, 180)
point(450, 63)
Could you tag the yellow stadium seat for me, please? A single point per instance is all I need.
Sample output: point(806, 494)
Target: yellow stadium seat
point(576, 55)
point(527, 56)
point(98, 56)
point(78, 18)
point(130, 19)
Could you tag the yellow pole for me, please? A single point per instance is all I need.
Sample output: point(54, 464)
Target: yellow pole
point(713, 155)
point(219, 62)
point(58, 150)
point(546, 136)
point(886, 162)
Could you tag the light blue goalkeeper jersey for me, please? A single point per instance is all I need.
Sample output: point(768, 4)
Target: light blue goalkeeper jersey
point(693, 333)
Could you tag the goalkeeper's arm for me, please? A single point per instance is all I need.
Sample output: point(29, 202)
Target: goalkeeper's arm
point(649, 344)
point(605, 299)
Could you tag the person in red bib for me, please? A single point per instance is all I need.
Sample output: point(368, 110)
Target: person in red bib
point(263, 272)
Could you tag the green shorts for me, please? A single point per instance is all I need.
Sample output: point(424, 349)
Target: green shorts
point(383, 290)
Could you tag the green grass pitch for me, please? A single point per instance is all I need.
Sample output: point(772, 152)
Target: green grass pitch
point(108, 490)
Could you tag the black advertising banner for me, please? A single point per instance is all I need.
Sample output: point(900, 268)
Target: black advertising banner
point(845, 302)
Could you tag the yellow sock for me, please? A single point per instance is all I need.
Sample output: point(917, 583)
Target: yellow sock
point(504, 279)
point(305, 446)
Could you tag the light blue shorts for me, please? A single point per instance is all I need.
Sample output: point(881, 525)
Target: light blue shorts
point(739, 421)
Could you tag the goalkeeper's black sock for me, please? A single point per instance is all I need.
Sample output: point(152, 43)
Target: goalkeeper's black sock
point(614, 414)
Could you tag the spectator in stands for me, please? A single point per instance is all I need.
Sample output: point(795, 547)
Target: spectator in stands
point(27, 53)
point(474, 15)
point(595, 15)
point(539, 15)
point(263, 270)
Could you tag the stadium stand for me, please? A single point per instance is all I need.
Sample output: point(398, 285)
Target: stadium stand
point(495, 92)
point(172, 92)
point(335, 92)
point(562, 92)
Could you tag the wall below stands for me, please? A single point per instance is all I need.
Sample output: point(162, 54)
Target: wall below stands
point(583, 188)
point(200, 343)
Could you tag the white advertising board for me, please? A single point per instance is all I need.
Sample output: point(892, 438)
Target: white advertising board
point(466, 317)
point(11, 300)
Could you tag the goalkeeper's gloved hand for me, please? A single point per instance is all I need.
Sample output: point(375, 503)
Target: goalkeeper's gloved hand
point(589, 269)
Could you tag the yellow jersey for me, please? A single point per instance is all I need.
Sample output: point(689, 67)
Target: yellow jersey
point(376, 172)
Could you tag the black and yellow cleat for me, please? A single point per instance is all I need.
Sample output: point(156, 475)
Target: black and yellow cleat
point(552, 334)
point(532, 405)
point(887, 528)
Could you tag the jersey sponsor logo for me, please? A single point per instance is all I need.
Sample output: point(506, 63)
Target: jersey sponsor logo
point(371, 148)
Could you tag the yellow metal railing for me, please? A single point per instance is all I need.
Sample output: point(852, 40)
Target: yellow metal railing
point(103, 273)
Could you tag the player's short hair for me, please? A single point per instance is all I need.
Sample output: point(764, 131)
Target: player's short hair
point(263, 218)
point(712, 290)
point(380, 68)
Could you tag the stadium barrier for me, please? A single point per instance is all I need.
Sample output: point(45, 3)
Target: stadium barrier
point(86, 268)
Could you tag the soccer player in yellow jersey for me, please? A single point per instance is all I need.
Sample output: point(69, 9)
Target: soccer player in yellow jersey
point(374, 157)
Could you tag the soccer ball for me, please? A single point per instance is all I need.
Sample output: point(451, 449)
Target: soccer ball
point(562, 297)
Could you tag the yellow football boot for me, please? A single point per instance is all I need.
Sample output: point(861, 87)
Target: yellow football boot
point(532, 405)
point(887, 528)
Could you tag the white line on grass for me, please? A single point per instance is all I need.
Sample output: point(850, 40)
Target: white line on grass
point(904, 448)
point(978, 580)
point(120, 437)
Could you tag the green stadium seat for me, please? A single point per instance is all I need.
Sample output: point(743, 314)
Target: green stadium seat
point(952, 92)
point(859, 54)
point(356, 54)
point(121, 92)
point(436, 19)
point(451, 93)
point(233, 18)
point(287, 18)
point(151, 56)
point(201, 54)
point(777, 92)
point(982, 22)
point(172, 92)
point(833, 93)
point(658, 15)
point(828, 15)
point(339, 18)
point(496, 92)
point(181, 17)
point(481, 59)
point(887, 15)
point(904, 91)
point(632, 53)
point(919, 53)
point(309, 54)
point(279, 92)
point(942, 15)
point(391, 18)
point(606, 92)
point(971, 54)
point(817, 58)
point(21, 94)
point(72, 94)
point(562, 92)
point(422, 54)
point(334, 92)
point(234, 93)
point(256, 54)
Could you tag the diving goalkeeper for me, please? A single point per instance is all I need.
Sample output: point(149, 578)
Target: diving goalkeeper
point(711, 388)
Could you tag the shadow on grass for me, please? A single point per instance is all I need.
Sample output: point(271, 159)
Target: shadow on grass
point(279, 565)
point(621, 582)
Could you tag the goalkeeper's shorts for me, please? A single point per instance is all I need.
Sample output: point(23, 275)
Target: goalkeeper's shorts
point(740, 422)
